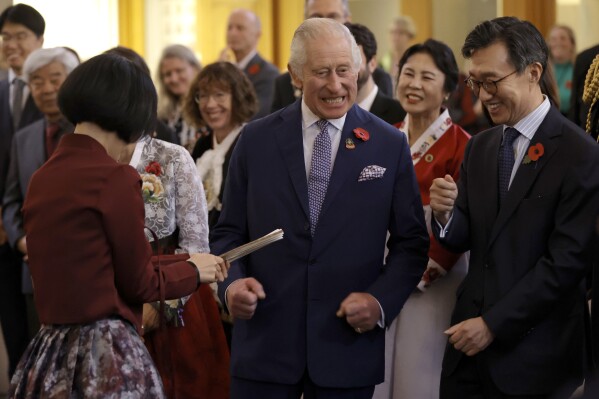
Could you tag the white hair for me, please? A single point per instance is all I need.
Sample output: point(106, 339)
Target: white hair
point(315, 29)
point(41, 57)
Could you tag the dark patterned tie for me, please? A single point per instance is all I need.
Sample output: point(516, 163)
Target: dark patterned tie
point(17, 102)
point(320, 170)
point(505, 161)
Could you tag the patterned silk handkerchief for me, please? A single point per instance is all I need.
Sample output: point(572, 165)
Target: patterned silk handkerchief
point(371, 172)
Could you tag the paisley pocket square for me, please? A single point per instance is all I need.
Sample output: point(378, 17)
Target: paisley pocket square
point(371, 172)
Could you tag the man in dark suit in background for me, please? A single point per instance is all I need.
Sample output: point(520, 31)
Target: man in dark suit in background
point(578, 109)
point(311, 310)
point(285, 92)
point(45, 70)
point(369, 96)
point(22, 30)
point(243, 32)
point(525, 207)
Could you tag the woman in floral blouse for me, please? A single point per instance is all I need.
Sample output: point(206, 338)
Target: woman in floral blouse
point(191, 354)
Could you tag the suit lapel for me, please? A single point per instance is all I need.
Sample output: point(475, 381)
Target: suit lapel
point(527, 173)
point(489, 183)
point(290, 142)
point(344, 158)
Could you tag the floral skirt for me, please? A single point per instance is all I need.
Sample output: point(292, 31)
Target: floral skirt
point(104, 359)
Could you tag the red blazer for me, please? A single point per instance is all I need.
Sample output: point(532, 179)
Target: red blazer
point(89, 258)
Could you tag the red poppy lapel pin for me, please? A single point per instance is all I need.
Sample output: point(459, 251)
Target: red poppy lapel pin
point(361, 134)
point(535, 152)
point(253, 69)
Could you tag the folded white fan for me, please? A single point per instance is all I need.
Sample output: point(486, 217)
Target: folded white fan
point(252, 246)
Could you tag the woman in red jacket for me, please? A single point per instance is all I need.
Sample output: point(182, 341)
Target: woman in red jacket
point(89, 258)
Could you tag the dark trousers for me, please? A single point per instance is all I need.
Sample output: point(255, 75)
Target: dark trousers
point(472, 380)
point(248, 389)
point(13, 312)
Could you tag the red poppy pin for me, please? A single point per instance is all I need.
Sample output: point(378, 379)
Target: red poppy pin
point(362, 134)
point(253, 69)
point(534, 153)
point(154, 168)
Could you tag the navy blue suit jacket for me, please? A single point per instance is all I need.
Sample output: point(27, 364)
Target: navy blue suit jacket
point(528, 259)
point(262, 74)
point(306, 278)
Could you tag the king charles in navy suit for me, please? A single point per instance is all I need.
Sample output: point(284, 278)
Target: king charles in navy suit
point(518, 327)
point(310, 310)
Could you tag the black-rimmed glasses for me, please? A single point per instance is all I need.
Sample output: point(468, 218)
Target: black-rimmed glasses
point(490, 86)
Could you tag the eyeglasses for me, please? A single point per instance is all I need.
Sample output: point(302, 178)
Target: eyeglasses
point(218, 96)
point(19, 37)
point(490, 86)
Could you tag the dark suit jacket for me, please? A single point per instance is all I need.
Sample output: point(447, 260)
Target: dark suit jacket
point(529, 259)
point(388, 109)
point(30, 114)
point(578, 110)
point(306, 278)
point(285, 93)
point(28, 154)
point(262, 74)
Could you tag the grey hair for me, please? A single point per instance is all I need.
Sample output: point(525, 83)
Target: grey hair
point(314, 29)
point(167, 102)
point(43, 56)
point(344, 3)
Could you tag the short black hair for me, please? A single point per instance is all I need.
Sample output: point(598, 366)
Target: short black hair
point(26, 16)
point(365, 38)
point(443, 58)
point(524, 42)
point(112, 92)
point(131, 55)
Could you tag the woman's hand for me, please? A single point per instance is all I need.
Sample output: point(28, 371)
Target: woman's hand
point(150, 319)
point(212, 268)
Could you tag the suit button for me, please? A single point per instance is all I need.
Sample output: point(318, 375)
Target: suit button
point(307, 226)
point(486, 265)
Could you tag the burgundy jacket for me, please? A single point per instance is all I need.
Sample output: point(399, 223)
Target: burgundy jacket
point(88, 255)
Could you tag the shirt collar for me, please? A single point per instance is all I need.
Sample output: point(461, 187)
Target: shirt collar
point(246, 60)
point(12, 75)
point(309, 118)
point(528, 125)
point(366, 103)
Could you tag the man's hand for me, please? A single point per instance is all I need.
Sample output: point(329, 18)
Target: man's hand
point(242, 297)
point(443, 193)
point(470, 336)
point(361, 311)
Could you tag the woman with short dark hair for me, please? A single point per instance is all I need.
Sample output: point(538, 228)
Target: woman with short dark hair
point(88, 254)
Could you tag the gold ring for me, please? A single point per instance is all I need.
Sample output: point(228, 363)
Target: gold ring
point(358, 330)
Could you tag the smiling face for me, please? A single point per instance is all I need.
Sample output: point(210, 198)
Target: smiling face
point(18, 42)
point(328, 78)
point(560, 45)
point(215, 103)
point(517, 95)
point(44, 84)
point(420, 87)
point(177, 74)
